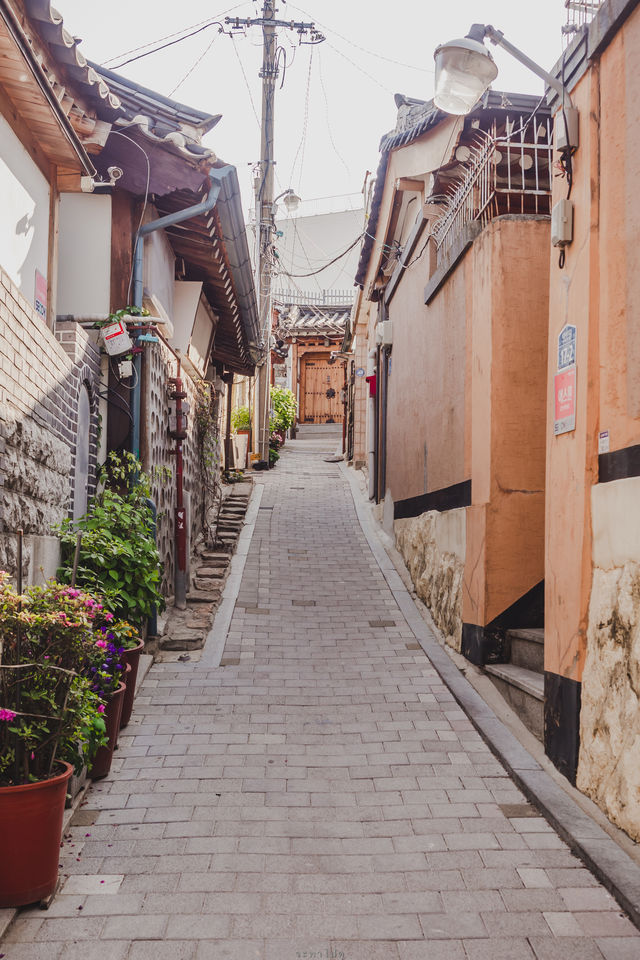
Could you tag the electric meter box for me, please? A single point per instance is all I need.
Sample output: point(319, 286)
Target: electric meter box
point(562, 223)
point(116, 339)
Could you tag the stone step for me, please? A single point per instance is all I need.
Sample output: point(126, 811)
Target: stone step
point(524, 691)
point(527, 648)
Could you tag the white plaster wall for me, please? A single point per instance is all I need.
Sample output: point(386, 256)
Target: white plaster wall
point(84, 255)
point(433, 547)
point(609, 761)
point(24, 224)
point(159, 268)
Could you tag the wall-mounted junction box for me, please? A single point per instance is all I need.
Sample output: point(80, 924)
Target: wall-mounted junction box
point(562, 223)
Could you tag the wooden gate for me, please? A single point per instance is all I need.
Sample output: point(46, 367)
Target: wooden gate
point(320, 386)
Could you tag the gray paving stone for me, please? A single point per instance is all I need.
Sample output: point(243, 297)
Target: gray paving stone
point(322, 791)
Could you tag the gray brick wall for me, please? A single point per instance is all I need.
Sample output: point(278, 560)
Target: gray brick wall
point(41, 375)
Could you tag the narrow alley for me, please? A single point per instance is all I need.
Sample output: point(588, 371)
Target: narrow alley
point(318, 795)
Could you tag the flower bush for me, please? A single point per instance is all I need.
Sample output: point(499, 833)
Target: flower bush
point(240, 419)
point(118, 555)
point(48, 709)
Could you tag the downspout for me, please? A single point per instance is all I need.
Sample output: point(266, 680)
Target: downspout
point(180, 521)
point(371, 424)
point(170, 220)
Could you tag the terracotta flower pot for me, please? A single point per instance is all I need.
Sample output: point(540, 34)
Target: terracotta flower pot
point(30, 832)
point(102, 760)
point(131, 658)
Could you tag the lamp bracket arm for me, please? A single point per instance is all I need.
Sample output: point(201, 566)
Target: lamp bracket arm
point(498, 38)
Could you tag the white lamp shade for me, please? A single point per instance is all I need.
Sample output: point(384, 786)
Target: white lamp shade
point(464, 70)
point(291, 201)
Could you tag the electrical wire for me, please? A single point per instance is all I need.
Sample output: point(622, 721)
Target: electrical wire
point(117, 133)
point(160, 43)
point(361, 69)
point(329, 130)
point(335, 260)
point(305, 124)
point(357, 46)
point(246, 80)
point(196, 63)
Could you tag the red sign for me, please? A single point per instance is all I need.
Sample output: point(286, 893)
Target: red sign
point(565, 399)
point(41, 296)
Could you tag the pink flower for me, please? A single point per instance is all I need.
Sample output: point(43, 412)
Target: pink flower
point(108, 617)
point(101, 708)
point(101, 643)
point(7, 714)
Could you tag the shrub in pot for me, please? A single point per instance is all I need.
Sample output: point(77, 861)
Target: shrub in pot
point(118, 557)
point(50, 722)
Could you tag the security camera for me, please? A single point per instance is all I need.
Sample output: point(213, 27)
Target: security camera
point(114, 173)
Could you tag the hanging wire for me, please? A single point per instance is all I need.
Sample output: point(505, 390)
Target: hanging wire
point(117, 133)
point(176, 37)
point(196, 63)
point(326, 265)
point(305, 124)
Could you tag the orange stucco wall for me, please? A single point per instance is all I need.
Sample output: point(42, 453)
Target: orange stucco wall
point(505, 524)
point(467, 400)
point(426, 402)
point(599, 292)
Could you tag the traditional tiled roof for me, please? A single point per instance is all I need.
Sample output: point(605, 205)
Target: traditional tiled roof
point(64, 50)
point(303, 321)
point(175, 125)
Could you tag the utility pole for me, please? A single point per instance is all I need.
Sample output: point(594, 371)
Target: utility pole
point(264, 195)
point(264, 220)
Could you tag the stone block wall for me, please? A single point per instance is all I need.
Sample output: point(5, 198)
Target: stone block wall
point(433, 546)
point(41, 375)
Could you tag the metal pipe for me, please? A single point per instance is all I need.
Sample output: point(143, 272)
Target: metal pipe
point(180, 517)
point(497, 37)
point(217, 177)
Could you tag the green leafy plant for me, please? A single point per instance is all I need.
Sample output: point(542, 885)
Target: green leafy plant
point(274, 456)
point(118, 556)
point(284, 406)
point(48, 709)
point(241, 419)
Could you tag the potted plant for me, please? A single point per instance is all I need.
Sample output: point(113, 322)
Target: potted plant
point(50, 722)
point(106, 670)
point(241, 426)
point(284, 407)
point(118, 558)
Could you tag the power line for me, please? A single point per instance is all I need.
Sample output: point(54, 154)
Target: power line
point(194, 65)
point(361, 69)
point(160, 44)
point(371, 53)
point(330, 263)
point(305, 123)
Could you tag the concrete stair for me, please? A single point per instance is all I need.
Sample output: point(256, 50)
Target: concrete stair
point(521, 681)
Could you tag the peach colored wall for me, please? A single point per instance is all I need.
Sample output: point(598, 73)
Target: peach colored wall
point(598, 291)
point(426, 403)
point(505, 524)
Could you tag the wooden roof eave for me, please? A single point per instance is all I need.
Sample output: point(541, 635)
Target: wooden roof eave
point(34, 99)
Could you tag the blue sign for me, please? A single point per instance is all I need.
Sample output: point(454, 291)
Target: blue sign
point(360, 372)
point(567, 347)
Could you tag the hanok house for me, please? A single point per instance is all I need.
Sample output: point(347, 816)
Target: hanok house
point(49, 371)
point(450, 338)
point(169, 199)
point(308, 338)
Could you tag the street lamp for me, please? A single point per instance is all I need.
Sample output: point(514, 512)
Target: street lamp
point(465, 69)
point(291, 201)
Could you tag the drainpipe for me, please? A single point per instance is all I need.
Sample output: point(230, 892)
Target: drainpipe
point(371, 424)
point(217, 177)
point(180, 514)
point(180, 528)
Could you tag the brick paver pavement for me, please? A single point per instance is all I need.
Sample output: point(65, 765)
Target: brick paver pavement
point(325, 798)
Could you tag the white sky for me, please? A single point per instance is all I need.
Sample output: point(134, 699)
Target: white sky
point(350, 97)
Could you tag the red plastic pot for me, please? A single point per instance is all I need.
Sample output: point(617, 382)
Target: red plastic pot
point(131, 658)
point(30, 833)
point(102, 760)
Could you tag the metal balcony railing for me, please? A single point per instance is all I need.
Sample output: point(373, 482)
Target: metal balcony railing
point(581, 12)
point(314, 298)
point(508, 173)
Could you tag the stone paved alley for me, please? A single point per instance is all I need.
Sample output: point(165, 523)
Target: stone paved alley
point(321, 796)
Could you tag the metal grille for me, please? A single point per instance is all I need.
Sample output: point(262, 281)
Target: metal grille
point(320, 297)
point(581, 12)
point(508, 173)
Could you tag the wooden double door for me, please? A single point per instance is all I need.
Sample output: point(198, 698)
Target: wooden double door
point(320, 384)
